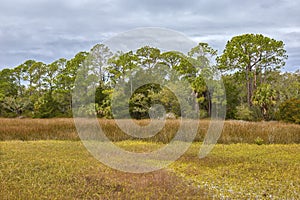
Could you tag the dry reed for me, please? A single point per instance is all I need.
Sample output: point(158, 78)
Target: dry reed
point(233, 131)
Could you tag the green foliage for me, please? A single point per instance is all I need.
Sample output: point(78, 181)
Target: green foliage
point(251, 61)
point(286, 84)
point(121, 66)
point(15, 105)
point(234, 94)
point(148, 56)
point(258, 141)
point(253, 56)
point(46, 107)
point(243, 112)
point(103, 100)
point(265, 98)
point(168, 99)
point(289, 111)
point(8, 86)
point(252, 51)
point(139, 106)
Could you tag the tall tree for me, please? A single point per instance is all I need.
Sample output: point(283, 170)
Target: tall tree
point(98, 58)
point(202, 58)
point(122, 66)
point(66, 80)
point(265, 98)
point(16, 105)
point(29, 75)
point(35, 75)
point(20, 77)
point(51, 74)
point(148, 56)
point(253, 55)
point(235, 94)
point(8, 86)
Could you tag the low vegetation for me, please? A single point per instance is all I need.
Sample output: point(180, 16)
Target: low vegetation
point(44, 159)
point(233, 132)
point(244, 171)
point(65, 170)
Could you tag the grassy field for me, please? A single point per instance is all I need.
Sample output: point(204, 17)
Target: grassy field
point(233, 132)
point(44, 159)
point(65, 170)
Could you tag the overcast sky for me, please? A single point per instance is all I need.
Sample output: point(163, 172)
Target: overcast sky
point(46, 30)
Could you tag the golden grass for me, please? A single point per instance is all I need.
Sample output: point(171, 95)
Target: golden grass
point(65, 170)
point(233, 131)
point(244, 171)
point(37, 129)
point(270, 132)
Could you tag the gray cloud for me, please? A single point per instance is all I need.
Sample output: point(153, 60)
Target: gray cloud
point(47, 30)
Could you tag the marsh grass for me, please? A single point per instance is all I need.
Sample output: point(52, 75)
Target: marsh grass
point(65, 170)
point(37, 129)
point(233, 131)
point(244, 171)
point(269, 132)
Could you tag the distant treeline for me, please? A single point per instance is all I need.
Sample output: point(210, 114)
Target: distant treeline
point(250, 66)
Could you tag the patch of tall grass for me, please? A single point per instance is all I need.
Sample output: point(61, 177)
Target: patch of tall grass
point(233, 131)
point(37, 129)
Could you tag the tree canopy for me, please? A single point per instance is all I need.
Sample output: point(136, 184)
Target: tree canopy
point(256, 89)
point(253, 56)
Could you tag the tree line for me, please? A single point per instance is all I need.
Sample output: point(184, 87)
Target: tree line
point(250, 65)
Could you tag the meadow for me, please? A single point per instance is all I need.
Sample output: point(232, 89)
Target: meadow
point(233, 131)
point(45, 159)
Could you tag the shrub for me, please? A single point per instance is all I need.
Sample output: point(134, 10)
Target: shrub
point(46, 107)
point(289, 111)
point(259, 141)
point(243, 112)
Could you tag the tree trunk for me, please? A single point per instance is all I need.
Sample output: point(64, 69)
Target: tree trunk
point(255, 80)
point(249, 86)
point(209, 104)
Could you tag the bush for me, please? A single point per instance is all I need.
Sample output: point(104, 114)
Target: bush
point(257, 114)
point(243, 112)
point(46, 107)
point(259, 141)
point(289, 111)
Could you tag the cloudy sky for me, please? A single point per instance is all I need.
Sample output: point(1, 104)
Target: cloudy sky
point(47, 30)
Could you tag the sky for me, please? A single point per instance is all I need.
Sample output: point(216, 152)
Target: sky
point(46, 30)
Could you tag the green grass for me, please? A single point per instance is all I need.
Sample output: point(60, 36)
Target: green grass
point(244, 171)
point(65, 170)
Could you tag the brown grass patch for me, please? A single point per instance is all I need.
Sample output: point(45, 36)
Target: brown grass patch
point(233, 131)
